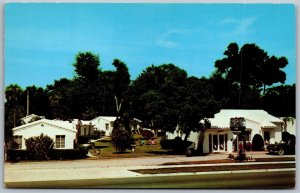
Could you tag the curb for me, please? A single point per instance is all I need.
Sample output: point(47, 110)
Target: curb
point(220, 172)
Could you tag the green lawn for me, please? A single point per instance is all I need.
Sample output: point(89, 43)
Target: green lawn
point(107, 150)
point(214, 168)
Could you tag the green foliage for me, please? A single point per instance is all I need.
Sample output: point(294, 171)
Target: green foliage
point(54, 154)
point(86, 65)
point(14, 109)
point(18, 154)
point(39, 146)
point(284, 96)
point(121, 138)
point(162, 97)
point(38, 101)
point(257, 143)
point(65, 154)
point(251, 69)
point(177, 145)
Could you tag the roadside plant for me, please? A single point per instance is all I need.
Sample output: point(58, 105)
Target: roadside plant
point(39, 147)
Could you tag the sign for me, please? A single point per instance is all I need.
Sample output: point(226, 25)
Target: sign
point(237, 125)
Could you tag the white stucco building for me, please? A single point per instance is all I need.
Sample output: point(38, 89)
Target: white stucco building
point(63, 133)
point(104, 123)
point(290, 125)
point(219, 137)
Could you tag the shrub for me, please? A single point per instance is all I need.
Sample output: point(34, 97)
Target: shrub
point(59, 154)
point(166, 143)
point(39, 146)
point(121, 140)
point(257, 143)
point(177, 145)
point(17, 154)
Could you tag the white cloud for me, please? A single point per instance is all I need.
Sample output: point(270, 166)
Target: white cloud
point(168, 39)
point(237, 27)
point(167, 43)
point(228, 21)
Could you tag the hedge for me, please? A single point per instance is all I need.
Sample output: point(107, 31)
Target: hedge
point(15, 155)
point(55, 154)
point(62, 154)
point(177, 145)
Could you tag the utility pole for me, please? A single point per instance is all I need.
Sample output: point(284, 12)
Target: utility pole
point(27, 102)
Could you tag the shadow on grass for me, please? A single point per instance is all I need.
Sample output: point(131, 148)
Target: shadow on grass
point(126, 152)
point(102, 146)
point(175, 153)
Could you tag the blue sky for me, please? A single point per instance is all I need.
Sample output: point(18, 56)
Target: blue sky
point(41, 40)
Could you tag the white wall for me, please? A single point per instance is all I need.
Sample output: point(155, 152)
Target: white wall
point(100, 125)
point(291, 126)
point(215, 132)
point(278, 133)
point(255, 128)
point(46, 129)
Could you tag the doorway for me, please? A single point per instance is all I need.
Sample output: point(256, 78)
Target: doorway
point(219, 142)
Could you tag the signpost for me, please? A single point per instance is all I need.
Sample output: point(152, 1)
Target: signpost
point(237, 127)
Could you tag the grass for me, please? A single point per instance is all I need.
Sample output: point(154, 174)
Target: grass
point(214, 168)
point(107, 150)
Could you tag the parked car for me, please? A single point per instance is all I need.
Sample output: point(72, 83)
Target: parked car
point(284, 147)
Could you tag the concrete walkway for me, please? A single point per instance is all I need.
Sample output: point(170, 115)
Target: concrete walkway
point(99, 169)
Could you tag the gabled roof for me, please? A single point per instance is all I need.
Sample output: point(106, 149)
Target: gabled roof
point(29, 117)
point(107, 118)
point(83, 122)
point(58, 123)
point(222, 119)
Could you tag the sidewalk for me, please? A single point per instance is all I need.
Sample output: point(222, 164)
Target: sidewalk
point(99, 169)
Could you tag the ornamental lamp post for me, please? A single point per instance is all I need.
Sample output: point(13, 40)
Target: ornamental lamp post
point(237, 127)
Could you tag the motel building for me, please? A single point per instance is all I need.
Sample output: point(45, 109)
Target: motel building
point(219, 137)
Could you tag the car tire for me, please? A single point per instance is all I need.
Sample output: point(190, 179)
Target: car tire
point(281, 151)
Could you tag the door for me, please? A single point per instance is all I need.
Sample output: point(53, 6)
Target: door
point(267, 136)
point(215, 143)
point(219, 142)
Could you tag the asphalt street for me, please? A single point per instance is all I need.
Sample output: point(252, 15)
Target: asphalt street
point(108, 173)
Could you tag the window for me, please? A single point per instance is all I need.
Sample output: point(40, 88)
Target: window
point(18, 141)
point(106, 126)
point(60, 141)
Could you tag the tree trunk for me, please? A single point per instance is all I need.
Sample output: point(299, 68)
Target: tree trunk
point(187, 134)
